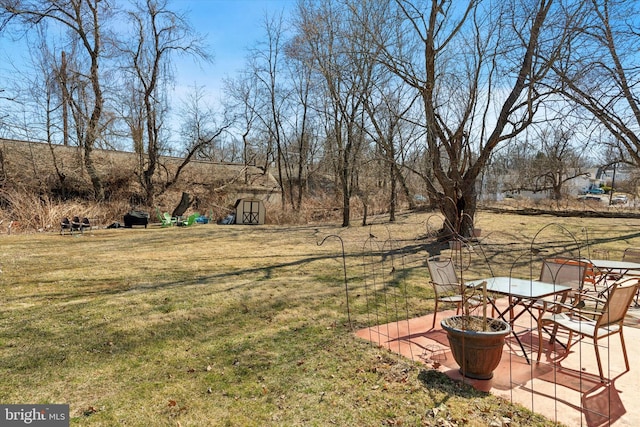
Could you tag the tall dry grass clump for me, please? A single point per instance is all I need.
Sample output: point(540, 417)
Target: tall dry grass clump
point(27, 212)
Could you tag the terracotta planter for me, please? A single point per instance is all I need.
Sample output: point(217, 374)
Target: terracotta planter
point(477, 352)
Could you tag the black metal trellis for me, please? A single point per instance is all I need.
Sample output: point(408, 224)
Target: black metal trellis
point(388, 305)
point(344, 269)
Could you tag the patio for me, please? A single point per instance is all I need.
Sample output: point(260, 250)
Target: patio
point(568, 391)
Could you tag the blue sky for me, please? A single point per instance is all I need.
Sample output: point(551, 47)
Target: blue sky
point(230, 27)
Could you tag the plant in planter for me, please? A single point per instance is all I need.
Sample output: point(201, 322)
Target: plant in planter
point(476, 342)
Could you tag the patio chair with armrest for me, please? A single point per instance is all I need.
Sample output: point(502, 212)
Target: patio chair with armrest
point(191, 219)
point(85, 224)
point(168, 220)
point(592, 277)
point(165, 218)
point(567, 272)
point(593, 323)
point(75, 224)
point(446, 285)
point(65, 224)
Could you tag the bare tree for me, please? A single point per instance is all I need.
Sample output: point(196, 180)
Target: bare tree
point(333, 45)
point(56, 97)
point(545, 163)
point(477, 71)
point(83, 18)
point(158, 34)
point(302, 139)
point(266, 64)
point(272, 96)
point(200, 129)
point(241, 100)
point(599, 74)
point(387, 106)
point(198, 119)
point(202, 133)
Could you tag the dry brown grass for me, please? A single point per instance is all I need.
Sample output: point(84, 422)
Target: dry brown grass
point(238, 325)
point(30, 213)
point(34, 198)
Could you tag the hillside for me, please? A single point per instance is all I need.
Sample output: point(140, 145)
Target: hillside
point(56, 173)
point(34, 164)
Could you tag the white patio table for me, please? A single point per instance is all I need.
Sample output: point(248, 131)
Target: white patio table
point(523, 293)
point(617, 268)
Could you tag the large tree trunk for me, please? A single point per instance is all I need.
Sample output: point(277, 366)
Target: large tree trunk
point(182, 207)
point(98, 189)
point(393, 196)
point(346, 207)
point(459, 209)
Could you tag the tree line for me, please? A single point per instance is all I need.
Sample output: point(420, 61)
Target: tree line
point(394, 97)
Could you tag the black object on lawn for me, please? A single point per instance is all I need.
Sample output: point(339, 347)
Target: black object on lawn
point(136, 218)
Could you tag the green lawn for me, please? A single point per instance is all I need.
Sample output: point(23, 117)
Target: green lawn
point(239, 325)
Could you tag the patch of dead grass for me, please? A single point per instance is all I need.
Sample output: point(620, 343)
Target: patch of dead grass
point(232, 325)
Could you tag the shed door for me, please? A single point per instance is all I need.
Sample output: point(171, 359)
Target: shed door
point(250, 212)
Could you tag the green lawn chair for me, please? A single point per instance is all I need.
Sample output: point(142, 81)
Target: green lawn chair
point(160, 217)
point(168, 220)
point(165, 218)
point(191, 219)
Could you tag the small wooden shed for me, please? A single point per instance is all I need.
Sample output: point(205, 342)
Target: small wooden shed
point(250, 211)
